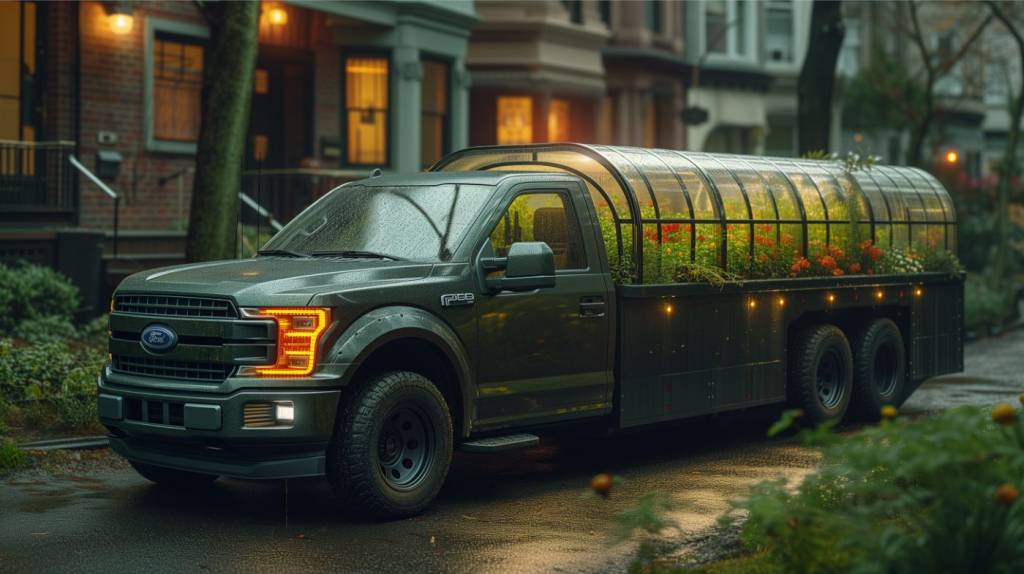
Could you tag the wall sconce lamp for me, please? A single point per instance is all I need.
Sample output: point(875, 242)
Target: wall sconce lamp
point(119, 17)
point(277, 16)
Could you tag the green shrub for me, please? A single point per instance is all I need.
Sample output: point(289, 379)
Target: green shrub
point(985, 307)
point(53, 382)
point(33, 291)
point(44, 330)
point(95, 332)
point(933, 495)
point(11, 457)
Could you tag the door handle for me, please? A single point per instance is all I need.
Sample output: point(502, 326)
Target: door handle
point(592, 306)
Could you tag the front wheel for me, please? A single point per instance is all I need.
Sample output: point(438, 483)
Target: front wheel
point(821, 373)
point(392, 446)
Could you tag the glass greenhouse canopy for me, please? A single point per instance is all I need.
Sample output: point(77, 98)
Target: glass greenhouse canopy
point(658, 207)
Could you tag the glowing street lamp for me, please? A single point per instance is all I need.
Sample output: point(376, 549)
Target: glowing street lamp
point(952, 157)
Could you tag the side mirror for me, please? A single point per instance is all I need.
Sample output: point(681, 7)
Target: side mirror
point(529, 265)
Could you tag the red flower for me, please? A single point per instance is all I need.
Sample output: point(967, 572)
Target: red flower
point(855, 268)
point(828, 262)
point(875, 254)
point(837, 272)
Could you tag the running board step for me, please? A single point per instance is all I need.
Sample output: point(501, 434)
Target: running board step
point(500, 443)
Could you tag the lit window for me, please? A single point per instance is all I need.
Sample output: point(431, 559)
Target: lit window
point(515, 119)
point(366, 106)
point(558, 121)
point(177, 88)
point(779, 30)
point(434, 106)
point(261, 82)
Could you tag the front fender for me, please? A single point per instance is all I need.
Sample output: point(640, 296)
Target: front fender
point(385, 324)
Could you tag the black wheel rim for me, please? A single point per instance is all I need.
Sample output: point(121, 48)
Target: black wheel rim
point(405, 446)
point(885, 370)
point(831, 374)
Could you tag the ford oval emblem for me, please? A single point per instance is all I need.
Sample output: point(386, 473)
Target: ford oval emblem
point(158, 338)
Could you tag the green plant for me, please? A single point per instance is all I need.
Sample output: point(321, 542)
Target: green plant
point(900, 261)
point(985, 307)
point(95, 332)
point(700, 273)
point(935, 494)
point(941, 260)
point(33, 291)
point(11, 457)
point(44, 329)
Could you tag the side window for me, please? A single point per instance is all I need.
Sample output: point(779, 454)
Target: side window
point(543, 217)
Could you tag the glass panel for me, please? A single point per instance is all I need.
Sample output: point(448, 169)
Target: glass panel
point(868, 185)
point(780, 188)
point(515, 119)
point(595, 170)
point(754, 184)
point(541, 217)
point(366, 103)
point(835, 200)
point(476, 160)
point(664, 255)
point(708, 241)
point(635, 180)
point(700, 194)
point(667, 191)
point(898, 211)
point(715, 26)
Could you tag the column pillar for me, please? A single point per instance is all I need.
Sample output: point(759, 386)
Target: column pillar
point(405, 105)
point(459, 86)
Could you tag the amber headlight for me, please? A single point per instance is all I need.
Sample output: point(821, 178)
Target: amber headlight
point(299, 330)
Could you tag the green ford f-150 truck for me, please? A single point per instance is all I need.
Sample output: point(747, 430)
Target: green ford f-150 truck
point(514, 289)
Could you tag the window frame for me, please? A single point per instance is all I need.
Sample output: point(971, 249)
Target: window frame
point(366, 52)
point(571, 214)
point(731, 54)
point(153, 26)
point(446, 125)
point(797, 43)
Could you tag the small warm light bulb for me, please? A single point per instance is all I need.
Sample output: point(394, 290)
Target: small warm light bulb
point(752, 304)
point(952, 157)
point(831, 298)
point(879, 295)
point(918, 292)
point(122, 23)
point(782, 302)
point(277, 16)
point(668, 309)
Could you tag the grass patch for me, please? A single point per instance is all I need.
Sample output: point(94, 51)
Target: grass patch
point(11, 457)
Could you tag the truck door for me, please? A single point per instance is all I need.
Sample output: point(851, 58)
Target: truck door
point(544, 354)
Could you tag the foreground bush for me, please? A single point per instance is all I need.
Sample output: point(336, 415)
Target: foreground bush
point(934, 495)
point(32, 292)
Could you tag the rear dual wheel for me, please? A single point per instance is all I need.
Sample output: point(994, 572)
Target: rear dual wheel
point(880, 367)
point(821, 373)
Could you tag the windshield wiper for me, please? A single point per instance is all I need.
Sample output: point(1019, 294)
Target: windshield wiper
point(284, 252)
point(355, 254)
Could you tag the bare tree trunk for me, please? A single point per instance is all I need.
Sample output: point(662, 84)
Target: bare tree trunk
point(999, 260)
point(227, 81)
point(817, 77)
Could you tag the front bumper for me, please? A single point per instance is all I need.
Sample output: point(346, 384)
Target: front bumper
point(208, 434)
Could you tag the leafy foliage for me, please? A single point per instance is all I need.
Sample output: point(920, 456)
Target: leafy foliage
point(32, 292)
point(44, 329)
point(933, 495)
point(11, 457)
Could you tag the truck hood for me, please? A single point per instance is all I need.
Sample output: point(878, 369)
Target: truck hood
point(273, 280)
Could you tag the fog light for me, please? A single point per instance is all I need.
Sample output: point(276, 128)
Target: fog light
point(285, 413)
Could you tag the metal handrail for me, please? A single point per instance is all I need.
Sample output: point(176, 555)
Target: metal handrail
point(105, 189)
point(260, 210)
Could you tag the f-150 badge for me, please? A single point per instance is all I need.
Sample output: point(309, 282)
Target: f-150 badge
point(457, 299)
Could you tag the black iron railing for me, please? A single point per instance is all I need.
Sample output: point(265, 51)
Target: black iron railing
point(73, 161)
point(35, 176)
point(286, 192)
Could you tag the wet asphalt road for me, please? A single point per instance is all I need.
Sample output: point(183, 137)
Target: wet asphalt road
point(518, 512)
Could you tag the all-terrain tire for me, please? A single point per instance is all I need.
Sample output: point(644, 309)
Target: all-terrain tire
point(821, 374)
point(880, 368)
point(392, 446)
point(173, 478)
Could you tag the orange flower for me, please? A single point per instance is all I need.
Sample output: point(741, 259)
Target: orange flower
point(1004, 414)
point(602, 484)
point(889, 412)
point(837, 272)
point(1006, 494)
point(828, 262)
point(855, 268)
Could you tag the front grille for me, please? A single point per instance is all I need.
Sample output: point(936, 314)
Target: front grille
point(206, 372)
point(260, 415)
point(175, 306)
point(155, 412)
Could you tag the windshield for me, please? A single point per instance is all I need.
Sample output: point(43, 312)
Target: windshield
point(414, 222)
